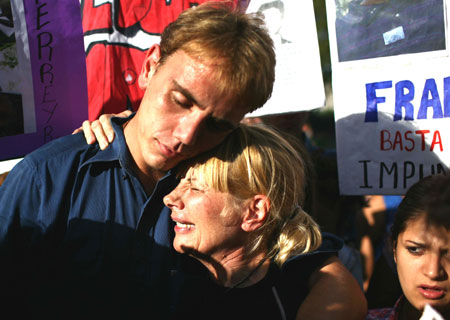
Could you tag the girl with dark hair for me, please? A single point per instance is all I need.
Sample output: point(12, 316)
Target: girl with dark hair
point(421, 247)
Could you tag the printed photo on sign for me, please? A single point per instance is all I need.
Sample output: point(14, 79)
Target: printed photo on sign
point(43, 92)
point(11, 113)
point(380, 28)
point(273, 12)
point(298, 74)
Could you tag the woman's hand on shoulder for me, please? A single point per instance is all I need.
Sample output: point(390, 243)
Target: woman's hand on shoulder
point(100, 130)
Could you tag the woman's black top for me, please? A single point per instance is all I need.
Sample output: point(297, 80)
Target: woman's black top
point(277, 296)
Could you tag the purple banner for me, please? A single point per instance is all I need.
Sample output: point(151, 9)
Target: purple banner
point(58, 68)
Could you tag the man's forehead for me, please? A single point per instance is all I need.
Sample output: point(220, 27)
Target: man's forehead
point(224, 109)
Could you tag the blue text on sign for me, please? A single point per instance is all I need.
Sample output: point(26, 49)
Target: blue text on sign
point(404, 95)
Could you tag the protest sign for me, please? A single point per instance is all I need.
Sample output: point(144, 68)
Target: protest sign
point(391, 92)
point(298, 77)
point(42, 67)
point(429, 313)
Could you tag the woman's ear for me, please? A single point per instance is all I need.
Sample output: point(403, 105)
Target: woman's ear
point(149, 66)
point(256, 214)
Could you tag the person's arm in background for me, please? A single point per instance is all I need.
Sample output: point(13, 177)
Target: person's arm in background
point(334, 294)
point(367, 253)
point(372, 213)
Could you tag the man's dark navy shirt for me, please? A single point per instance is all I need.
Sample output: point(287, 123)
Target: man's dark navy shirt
point(80, 238)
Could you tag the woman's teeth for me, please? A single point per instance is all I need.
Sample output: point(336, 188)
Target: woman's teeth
point(184, 226)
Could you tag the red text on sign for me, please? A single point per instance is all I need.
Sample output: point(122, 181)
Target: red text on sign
point(410, 140)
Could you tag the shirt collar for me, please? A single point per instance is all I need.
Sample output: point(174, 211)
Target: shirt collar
point(117, 150)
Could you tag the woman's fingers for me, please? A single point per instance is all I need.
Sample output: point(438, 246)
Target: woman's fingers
point(100, 130)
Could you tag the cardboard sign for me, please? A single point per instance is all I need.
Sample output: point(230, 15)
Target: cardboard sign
point(391, 91)
point(298, 74)
point(43, 90)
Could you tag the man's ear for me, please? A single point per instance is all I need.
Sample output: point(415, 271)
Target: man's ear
point(257, 212)
point(149, 66)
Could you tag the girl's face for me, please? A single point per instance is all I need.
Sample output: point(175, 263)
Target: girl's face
point(423, 265)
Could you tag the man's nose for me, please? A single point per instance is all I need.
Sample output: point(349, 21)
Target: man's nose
point(188, 128)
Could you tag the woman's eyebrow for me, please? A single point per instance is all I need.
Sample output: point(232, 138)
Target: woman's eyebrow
point(417, 243)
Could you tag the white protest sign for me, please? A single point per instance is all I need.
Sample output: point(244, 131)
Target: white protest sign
point(429, 313)
point(298, 74)
point(391, 92)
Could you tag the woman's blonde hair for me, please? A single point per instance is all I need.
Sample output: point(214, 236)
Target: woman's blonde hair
point(255, 159)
